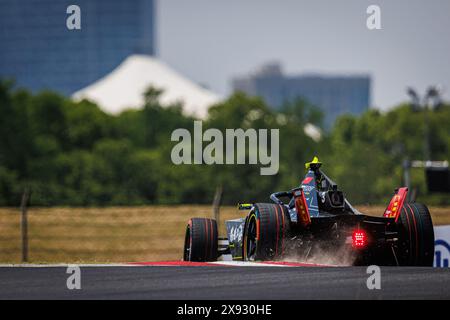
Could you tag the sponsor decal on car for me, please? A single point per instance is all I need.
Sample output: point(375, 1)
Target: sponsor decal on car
point(442, 246)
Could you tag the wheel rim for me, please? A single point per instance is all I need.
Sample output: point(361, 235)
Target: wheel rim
point(251, 241)
point(187, 245)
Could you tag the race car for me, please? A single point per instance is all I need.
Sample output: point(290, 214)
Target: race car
point(315, 219)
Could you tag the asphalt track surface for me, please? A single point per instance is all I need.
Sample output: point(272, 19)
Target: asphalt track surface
point(224, 282)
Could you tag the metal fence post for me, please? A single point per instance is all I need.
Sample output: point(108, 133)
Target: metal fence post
point(24, 224)
point(216, 204)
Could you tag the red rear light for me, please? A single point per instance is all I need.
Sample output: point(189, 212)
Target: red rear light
point(359, 239)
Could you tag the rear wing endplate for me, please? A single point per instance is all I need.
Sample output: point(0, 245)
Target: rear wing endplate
point(396, 204)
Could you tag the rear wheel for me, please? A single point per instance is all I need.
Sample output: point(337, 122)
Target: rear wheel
point(265, 233)
point(201, 240)
point(416, 236)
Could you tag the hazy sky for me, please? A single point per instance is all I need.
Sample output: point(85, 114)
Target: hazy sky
point(210, 41)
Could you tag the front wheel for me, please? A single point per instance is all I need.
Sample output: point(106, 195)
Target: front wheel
point(416, 236)
point(201, 240)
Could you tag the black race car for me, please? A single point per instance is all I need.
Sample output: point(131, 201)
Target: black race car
point(316, 220)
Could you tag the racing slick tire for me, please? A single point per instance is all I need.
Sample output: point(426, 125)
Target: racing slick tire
point(266, 232)
point(201, 240)
point(416, 236)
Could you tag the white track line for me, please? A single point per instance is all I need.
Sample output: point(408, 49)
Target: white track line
point(60, 265)
point(159, 264)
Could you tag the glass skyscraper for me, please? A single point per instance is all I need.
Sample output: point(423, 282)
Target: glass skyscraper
point(334, 95)
point(40, 52)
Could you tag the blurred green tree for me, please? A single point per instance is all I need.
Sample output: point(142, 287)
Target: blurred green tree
point(72, 153)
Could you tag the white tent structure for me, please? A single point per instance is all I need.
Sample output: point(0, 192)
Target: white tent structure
point(123, 88)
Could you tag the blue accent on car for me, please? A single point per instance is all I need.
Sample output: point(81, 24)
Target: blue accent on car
point(310, 191)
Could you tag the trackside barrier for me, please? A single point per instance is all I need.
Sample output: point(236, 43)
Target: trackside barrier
point(442, 246)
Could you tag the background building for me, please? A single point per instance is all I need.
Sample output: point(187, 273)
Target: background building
point(334, 95)
point(39, 52)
